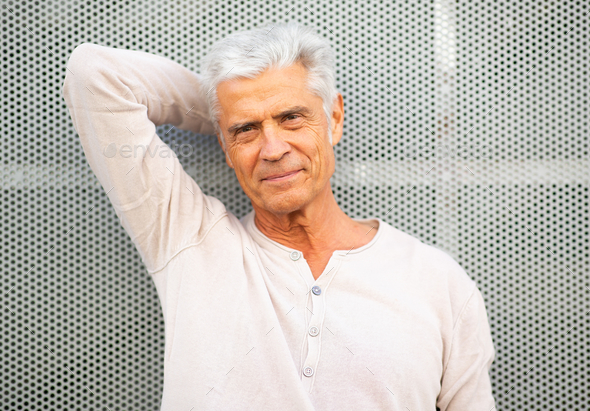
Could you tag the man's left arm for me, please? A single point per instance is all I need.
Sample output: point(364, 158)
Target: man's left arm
point(465, 382)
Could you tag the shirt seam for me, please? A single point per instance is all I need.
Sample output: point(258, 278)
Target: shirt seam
point(459, 317)
point(184, 247)
point(134, 204)
point(464, 308)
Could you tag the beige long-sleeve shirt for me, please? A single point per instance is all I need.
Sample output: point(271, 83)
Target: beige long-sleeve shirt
point(393, 325)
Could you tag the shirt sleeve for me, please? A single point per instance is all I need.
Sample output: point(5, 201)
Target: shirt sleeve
point(466, 382)
point(116, 98)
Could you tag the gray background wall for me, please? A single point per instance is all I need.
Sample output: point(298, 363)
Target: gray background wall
point(466, 126)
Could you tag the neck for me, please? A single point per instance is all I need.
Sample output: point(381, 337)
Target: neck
point(319, 227)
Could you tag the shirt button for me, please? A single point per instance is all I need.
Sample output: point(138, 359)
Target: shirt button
point(295, 255)
point(313, 331)
point(308, 371)
point(316, 290)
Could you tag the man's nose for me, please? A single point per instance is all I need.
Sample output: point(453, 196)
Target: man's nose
point(274, 146)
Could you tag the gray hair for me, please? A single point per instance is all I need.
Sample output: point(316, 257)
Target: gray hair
point(246, 54)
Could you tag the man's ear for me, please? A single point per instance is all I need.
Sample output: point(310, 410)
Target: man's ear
point(337, 120)
point(227, 159)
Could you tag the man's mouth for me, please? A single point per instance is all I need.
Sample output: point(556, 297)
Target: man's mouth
point(281, 176)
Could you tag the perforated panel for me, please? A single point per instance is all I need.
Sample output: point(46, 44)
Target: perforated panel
point(466, 126)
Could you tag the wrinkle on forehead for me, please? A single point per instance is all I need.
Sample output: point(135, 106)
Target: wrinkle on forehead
point(240, 98)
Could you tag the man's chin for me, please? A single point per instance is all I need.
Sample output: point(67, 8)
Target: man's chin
point(282, 204)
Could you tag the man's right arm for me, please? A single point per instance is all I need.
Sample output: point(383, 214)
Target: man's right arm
point(116, 98)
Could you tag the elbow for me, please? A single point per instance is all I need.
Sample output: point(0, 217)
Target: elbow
point(78, 67)
point(81, 61)
point(89, 69)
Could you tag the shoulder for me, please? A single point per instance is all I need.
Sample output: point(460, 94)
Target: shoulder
point(422, 257)
point(427, 267)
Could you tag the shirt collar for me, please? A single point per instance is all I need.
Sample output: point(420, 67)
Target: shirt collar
point(277, 248)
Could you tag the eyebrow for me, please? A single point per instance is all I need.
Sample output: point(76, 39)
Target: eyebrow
point(284, 113)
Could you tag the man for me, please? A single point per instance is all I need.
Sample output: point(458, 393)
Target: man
point(296, 306)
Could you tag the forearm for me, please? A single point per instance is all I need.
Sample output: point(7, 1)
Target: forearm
point(103, 80)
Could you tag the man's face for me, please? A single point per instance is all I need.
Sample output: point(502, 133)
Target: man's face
point(276, 137)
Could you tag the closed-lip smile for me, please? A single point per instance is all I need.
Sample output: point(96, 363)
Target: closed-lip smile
point(281, 176)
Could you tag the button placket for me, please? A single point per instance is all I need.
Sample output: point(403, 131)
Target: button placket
point(317, 298)
point(315, 314)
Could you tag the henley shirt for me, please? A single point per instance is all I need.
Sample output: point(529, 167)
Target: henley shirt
point(393, 325)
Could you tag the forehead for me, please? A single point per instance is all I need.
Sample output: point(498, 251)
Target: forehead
point(272, 90)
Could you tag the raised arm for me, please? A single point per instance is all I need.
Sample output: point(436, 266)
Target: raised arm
point(116, 98)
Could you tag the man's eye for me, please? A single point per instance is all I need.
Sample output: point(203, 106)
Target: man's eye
point(244, 129)
point(292, 117)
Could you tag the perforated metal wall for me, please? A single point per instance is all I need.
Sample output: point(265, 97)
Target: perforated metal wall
point(466, 125)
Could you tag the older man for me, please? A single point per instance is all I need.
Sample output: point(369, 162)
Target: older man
point(297, 306)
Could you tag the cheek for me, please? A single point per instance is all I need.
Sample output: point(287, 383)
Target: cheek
point(317, 148)
point(323, 154)
point(244, 161)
